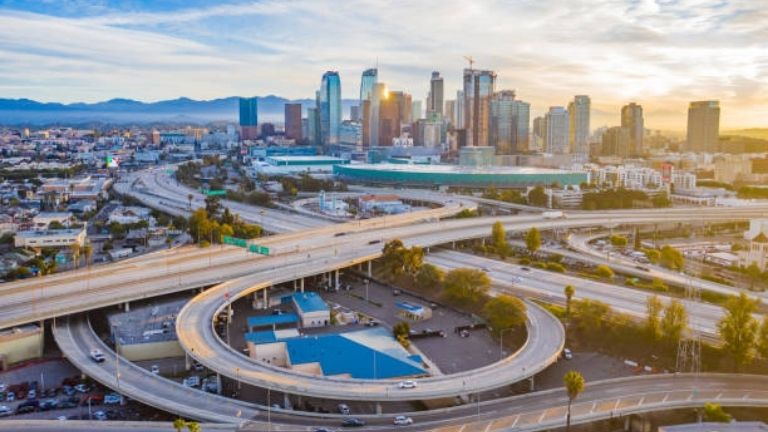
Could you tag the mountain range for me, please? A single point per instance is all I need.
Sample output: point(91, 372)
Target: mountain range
point(19, 112)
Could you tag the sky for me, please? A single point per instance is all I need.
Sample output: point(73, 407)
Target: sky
point(659, 53)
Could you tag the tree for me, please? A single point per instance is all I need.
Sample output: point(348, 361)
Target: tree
point(538, 197)
point(504, 311)
point(74, 249)
point(739, 328)
point(429, 276)
point(413, 259)
point(714, 413)
point(199, 225)
point(591, 315)
point(569, 292)
point(533, 240)
point(671, 258)
point(604, 271)
point(193, 426)
point(56, 225)
point(762, 340)
point(88, 252)
point(401, 329)
point(753, 273)
point(574, 385)
point(499, 238)
point(653, 255)
point(212, 206)
point(619, 241)
point(653, 321)
point(675, 322)
point(392, 257)
point(179, 424)
point(466, 285)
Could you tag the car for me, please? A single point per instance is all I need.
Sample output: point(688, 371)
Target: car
point(32, 394)
point(396, 292)
point(352, 422)
point(82, 388)
point(371, 323)
point(97, 355)
point(485, 269)
point(5, 411)
point(62, 418)
point(407, 384)
point(197, 366)
point(339, 234)
point(100, 415)
point(403, 421)
point(48, 404)
point(113, 399)
point(343, 409)
point(525, 269)
point(3, 387)
point(155, 369)
point(464, 333)
point(192, 381)
point(28, 406)
point(321, 430)
point(10, 397)
point(374, 242)
point(278, 312)
point(68, 390)
point(567, 354)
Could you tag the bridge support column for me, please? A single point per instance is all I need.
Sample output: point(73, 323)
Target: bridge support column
point(265, 303)
point(127, 307)
point(370, 269)
point(286, 401)
point(626, 423)
point(453, 245)
point(337, 279)
point(378, 408)
point(294, 285)
point(532, 384)
point(218, 383)
point(302, 285)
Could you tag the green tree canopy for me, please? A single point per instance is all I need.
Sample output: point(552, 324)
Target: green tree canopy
point(591, 315)
point(466, 285)
point(739, 328)
point(671, 258)
point(533, 240)
point(653, 319)
point(429, 276)
point(714, 413)
point(574, 385)
point(675, 322)
point(504, 311)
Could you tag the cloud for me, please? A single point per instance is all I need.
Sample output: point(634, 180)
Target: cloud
point(659, 53)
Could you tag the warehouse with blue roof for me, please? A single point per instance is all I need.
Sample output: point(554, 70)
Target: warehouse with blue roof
point(363, 354)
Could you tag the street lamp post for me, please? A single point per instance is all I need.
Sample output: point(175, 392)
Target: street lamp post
point(117, 358)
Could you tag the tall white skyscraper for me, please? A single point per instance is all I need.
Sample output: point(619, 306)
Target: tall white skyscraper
point(578, 125)
point(556, 124)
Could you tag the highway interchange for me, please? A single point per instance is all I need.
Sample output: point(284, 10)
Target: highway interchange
point(303, 251)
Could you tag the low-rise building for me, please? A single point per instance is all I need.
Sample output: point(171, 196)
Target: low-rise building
point(757, 251)
point(18, 344)
point(50, 238)
point(147, 332)
point(387, 204)
point(42, 221)
point(310, 307)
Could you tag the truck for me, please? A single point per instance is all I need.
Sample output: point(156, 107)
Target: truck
point(553, 215)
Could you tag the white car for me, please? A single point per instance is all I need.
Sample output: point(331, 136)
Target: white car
point(5, 411)
point(155, 369)
point(97, 355)
point(567, 354)
point(403, 421)
point(409, 384)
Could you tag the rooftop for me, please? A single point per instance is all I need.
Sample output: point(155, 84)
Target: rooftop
point(455, 169)
point(270, 320)
point(309, 302)
point(147, 324)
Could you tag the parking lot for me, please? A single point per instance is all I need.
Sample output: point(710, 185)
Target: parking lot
point(451, 354)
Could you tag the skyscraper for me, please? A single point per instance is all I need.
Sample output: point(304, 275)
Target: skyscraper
point(389, 116)
point(435, 99)
point(703, 126)
point(293, 121)
point(370, 119)
point(405, 106)
point(510, 119)
point(249, 118)
point(330, 107)
point(450, 111)
point(578, 125)
point(479, 86)
point(539, 132)
point(632, 119)
point(416, 111)
point(616, 141)
point(556, 131)
point(313, 126)
point(367, 83)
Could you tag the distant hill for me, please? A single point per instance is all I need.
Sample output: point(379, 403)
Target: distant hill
point(757, 133)
point(15, 112)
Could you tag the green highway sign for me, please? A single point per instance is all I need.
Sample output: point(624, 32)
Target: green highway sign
point(234, 241)
point(263, 250)
point(214, 192)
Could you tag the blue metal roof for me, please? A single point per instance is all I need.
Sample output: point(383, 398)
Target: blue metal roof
point(261, 337)
point(270, 320)
point(337, 354)
point(410, 307)
point(309, 302)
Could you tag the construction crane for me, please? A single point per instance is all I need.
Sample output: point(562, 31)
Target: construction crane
point(470, 60)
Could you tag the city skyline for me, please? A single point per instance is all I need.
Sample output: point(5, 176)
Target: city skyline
point(660, 56)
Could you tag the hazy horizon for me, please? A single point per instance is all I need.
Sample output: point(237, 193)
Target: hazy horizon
point(661, 55)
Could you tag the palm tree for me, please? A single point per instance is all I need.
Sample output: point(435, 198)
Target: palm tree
point(189, 198)
point(193, 426)
point(574, 384)
point(569, 292)
point(75, 249)
point(88, 252)
point(179, 424)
